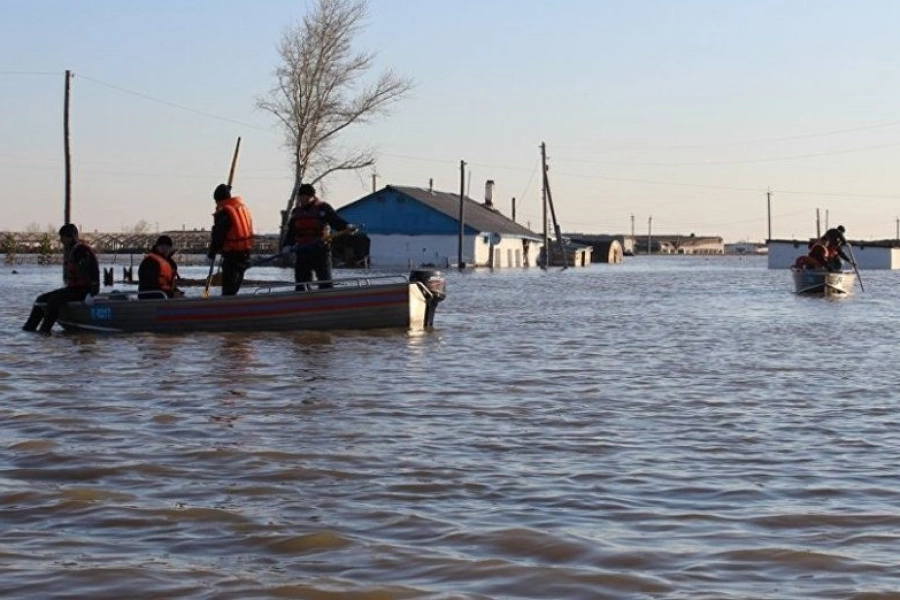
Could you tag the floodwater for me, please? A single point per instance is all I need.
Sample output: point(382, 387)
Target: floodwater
point(676, 428)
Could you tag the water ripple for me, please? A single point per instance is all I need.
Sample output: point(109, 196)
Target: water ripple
point(679, 428)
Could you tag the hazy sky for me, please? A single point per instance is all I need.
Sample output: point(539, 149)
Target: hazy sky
point(685, 112)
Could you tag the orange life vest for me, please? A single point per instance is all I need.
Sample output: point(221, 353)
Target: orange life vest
point(307, 225)
point(240, 234)
point(166, 281)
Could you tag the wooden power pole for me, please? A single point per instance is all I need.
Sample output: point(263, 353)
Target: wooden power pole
point(67, 216)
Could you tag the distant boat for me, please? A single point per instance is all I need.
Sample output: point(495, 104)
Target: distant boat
point(394, 301)
point(822, 282)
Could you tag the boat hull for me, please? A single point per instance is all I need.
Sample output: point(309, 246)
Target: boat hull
point(400, 304)
point(819, 282)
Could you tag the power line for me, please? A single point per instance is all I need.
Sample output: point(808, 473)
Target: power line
point(772, 140)
point(173, 104)
point(557, 159)
point(726, 162)
point(31, 73)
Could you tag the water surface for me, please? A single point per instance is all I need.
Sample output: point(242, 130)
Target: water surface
point(680, 427)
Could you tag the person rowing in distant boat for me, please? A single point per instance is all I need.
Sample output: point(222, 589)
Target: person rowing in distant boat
point(830, 249)
point(81, 274)
point(826, 252)
point(158, 271)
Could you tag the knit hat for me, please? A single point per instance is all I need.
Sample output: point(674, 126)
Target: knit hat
point(163, 240)
point(223, 192)
point(306, 190)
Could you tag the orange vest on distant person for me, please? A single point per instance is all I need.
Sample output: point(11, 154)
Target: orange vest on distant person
point(166, 281)
point(240, 235)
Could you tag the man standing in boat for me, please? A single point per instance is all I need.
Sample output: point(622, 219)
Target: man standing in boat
point(81, 274)
point(158, 271)
point(232, 237)
point(833, 243)
point(308, 234)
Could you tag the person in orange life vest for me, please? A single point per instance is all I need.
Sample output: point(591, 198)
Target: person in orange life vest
point(232, 237)
point(308, 226)
point(832, 244)
point(158, 271)
point(81, 274)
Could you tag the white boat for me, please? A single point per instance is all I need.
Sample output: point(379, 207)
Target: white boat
point(822, 282)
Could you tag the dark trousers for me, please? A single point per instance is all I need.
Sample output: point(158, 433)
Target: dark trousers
point(233, 266)
point(46, 307)
point(316, 261)
point(835, 264)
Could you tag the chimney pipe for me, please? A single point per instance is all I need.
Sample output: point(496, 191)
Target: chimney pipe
point(431, 185)
point(489, 193)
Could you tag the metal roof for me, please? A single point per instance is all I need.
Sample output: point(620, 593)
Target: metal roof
point(476, 215)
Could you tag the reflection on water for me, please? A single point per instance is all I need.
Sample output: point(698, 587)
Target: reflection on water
point(677, 427)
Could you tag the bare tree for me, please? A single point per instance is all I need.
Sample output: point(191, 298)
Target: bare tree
point(321, 90)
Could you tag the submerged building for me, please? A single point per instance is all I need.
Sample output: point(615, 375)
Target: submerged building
point(410, 226)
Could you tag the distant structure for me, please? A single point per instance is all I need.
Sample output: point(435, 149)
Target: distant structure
point(678, 244)
point(746, 248)
point(577, 254)
point(186, 242)
point(605, 248)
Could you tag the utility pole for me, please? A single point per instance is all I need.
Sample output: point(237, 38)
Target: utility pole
point(514, 209)
point(898, 229)
point(544, 200)
point(559, 236)
point(633, 241)
point(67, 217)
point(769, 213)
point(650, 234)
point(462, 213)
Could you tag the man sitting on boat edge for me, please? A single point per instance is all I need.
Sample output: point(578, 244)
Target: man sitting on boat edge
point(81, 274)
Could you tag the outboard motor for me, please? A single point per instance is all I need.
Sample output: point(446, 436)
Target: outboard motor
point(434, 282)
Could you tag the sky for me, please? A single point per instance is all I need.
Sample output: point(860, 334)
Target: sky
point(705, 117)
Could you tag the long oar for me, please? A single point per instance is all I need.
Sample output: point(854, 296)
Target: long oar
point(212, 263)
point(853, 262)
